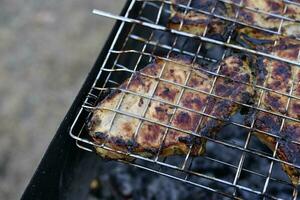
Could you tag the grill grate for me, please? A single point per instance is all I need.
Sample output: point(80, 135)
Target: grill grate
point(145, 37)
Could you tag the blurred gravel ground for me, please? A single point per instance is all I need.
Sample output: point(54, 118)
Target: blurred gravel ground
point(46, 51)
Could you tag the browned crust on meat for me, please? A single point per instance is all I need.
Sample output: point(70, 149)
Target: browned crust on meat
point(193, 21)
point(239, 71)
point(259, 19)
point(282, 47)
point(266, 21)
point(149, 137)
point(279, 76)
point(272, 74)
point(147, 141)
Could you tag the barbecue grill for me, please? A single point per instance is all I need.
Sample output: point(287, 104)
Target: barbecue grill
point(236, 164)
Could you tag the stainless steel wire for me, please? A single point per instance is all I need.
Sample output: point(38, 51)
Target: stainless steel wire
point(154, 25)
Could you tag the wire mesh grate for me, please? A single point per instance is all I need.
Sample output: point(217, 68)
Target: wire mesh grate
point(143, 36)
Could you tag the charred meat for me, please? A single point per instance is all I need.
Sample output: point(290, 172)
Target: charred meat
point(262, 14)
point(280, 77)
point(198, 23)
point(284, 78)
point(238, 71)
point(275, 75)
point(283, 47)
point(164, 81)
point(265, 14)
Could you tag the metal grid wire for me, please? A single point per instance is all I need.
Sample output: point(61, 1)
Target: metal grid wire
point(147, 38)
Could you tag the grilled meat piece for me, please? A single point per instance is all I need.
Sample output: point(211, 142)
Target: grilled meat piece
point(263, 18)
point(272, 74)
point(283, 47)
point(124, 133)
point(280, 77)
point(284, 78)
point(239, 72)
point(195, 22)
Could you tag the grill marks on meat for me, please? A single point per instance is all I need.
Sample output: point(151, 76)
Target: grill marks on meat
point(287, 151)
point(282, 47)
point(149, 138)
point(272, 74)
point(195, 22)
point(267, 21)
point(283, 78)
point(239, 71)
point(279, 77)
